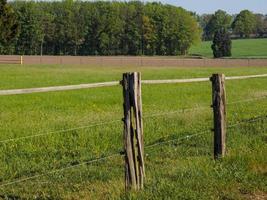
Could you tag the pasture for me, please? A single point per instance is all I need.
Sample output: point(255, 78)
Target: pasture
point(75, 127)
point(241, 48)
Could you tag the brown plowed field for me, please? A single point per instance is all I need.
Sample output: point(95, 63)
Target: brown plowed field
point(131, 61)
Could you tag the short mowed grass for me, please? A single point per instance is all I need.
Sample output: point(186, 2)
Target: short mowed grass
point(182, 169)
point(241, 48)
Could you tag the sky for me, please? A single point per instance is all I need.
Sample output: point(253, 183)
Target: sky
point(210, 6)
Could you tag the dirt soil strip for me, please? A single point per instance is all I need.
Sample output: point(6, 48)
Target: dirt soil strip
point(113, 83)
point(137, 61)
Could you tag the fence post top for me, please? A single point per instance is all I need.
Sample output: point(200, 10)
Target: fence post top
point(131, 73)
point(216, 75)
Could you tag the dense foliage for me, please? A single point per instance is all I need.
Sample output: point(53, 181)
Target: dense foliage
point(245, 24)
point(222, 43)
point(71, 27)
point(103, 28)
point(8, 27)
point(219, 20)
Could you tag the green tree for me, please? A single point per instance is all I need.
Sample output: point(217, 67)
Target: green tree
point(132, 33)
point(260, 24)
point(158, 15)
point(30, 37)
point(104, 22)
point(182, 31)
point(189, 32)
point(203, 21)
point(9, 28)
point(48, 28)
point(220, 19)
point(244, 23)
point(69, 27)
point(104, 28)
point(265, 24)
point(222, 44)
point(148, 36)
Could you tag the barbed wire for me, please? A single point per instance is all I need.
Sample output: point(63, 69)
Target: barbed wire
point(93, 161)
point(177, 111)
point(59, 170)
point(202, 107)
point(120, 153)
point(248, 121)
point(58, 131)
point(204, 132)
point(247, 100)
point(96, 124)
point(176, 139)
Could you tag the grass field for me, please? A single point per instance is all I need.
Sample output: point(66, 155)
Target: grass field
point(244, 48)
point(183, 169)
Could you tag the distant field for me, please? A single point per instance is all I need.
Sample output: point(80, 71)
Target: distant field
point(179, 170)
point(243, 48)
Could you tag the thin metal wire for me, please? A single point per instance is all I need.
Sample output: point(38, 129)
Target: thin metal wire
point(98, 124)
point(93, 161)
point(59, 170)
point(203, 107)
point(119, 154)
point(248, 121)
point(204, 132)
point(176, 139)
point(177, 111)
point(247, 100)
point(58, 131)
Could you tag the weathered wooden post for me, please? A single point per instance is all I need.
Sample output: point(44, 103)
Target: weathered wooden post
point(219, 114)
point(21, 60)
point(133, 131)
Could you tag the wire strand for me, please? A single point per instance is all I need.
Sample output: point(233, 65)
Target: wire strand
point(247, 100)
point(177, 139)
point(58, 131)
point(203, 107)
point(97, 124)
point(59, 170)
point(118, 154)
point(204, 132)
point(177, 111)
point(92, 161)
point(248, 121)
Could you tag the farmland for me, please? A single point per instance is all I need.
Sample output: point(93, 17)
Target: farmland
point(241, 48)
point(183, 169)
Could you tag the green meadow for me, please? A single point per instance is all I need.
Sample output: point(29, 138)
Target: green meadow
point(241, 48)
point(76, 127)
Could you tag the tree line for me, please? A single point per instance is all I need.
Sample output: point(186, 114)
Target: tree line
point(243, 25)
point(98, 28)
point(71, 27)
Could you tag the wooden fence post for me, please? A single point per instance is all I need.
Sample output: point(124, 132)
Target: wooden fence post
point(219, 114)
point(133, 132)
point(21, 60)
